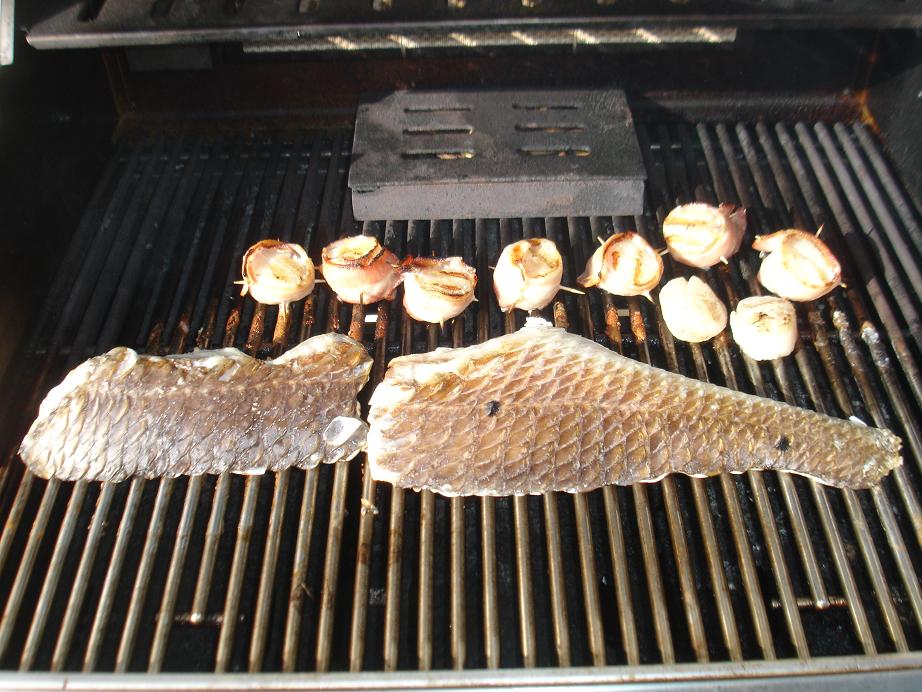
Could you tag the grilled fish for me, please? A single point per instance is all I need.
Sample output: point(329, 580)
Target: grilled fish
point(122, 414)
point(543, 410)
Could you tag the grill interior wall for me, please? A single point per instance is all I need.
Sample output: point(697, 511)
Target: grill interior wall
point(295, 572)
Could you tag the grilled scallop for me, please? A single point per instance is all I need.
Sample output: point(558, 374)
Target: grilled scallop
point(624, 265)
point(360, 270)
point(277, 273)
point(799, 265)
point(692, 310)
point(527, 274)
point(765, 327)
point(701, 235)
point(435, 290)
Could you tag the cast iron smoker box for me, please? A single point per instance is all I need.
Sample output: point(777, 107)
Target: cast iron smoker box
point(495, 154)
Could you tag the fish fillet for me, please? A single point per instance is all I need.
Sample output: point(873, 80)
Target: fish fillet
point(542, 410)
point(122, 414)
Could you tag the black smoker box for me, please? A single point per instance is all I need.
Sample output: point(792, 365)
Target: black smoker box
point(148, 143)
point(495, 154)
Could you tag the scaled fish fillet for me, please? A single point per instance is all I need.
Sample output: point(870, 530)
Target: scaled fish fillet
point(122, 414)
point(543, 410)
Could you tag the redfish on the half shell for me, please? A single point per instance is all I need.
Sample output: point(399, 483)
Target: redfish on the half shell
point(543, 410)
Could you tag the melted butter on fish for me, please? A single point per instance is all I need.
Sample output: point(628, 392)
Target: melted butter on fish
point(543, 410)
point(122, 414)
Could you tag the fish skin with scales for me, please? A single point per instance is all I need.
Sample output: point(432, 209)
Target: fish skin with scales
point(544, 410)
point(122, 415)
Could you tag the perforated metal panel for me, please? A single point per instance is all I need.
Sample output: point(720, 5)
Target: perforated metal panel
point(502, 153)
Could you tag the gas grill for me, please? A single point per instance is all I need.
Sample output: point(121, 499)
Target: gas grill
point(232, 124)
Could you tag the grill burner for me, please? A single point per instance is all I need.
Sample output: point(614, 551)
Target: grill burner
point(495, 154)
point(324, 570)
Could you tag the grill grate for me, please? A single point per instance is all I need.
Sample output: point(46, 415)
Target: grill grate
point(325, 570)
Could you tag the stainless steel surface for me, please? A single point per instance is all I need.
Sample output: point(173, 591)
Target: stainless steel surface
point(525, 36)
point(346, 22)
point(7, 31)
point(327, 571)
point(901, 670)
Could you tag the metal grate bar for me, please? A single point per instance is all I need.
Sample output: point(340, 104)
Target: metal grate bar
point(394, 559)
point(113, 574)
point(14, 517)
point(490, 612)
point(757, 483)
point(267, 574)
point(555, 577)
point(524, 580)
point(876, 284)
point(426, 538)
point(209, 552)
point(142, 572)
point(655, 583)
point(676, 529)
point(142, 579)
point(863, 636)
point(457, 616)
point(851, 502)
point(895, 241)
point(37, 532)
point(675, 180)
point(299, 568)
point(364, 24)
point(177, 562)
point(855, 359)
point(740, 539)
point(80, 584)
point(360, 590)
point(369, 511)
point(326, 227)
point(235, 580)
point(770, 199)
point(53, 575)
point(699, 489)
point(908, 214)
